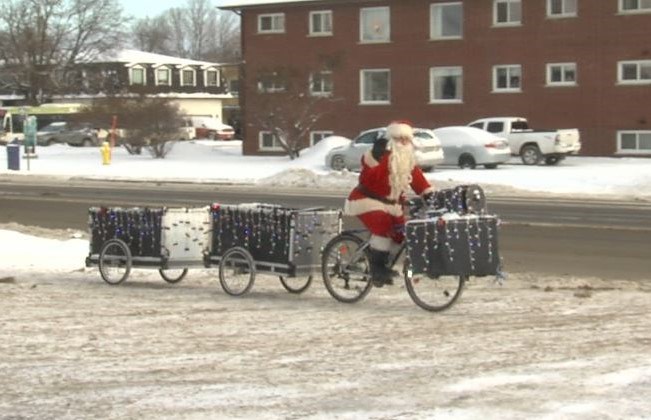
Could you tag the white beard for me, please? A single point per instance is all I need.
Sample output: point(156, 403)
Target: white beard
point(401, 163)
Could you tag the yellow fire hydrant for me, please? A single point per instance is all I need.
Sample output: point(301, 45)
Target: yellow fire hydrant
point(105, 149)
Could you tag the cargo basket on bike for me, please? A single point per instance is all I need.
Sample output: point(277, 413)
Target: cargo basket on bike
point(454, 245)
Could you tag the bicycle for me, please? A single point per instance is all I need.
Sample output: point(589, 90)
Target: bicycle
point(346, 270)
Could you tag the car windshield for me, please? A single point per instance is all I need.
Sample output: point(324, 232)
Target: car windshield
point(53, 127)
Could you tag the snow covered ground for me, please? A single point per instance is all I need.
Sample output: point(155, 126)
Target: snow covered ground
point(547, 348)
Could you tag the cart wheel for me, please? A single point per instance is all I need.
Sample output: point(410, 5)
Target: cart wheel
point(345, 268)
point(434, 294)
point(236, 271)
point(114, 261)
point(173, 275)
point(296, 284)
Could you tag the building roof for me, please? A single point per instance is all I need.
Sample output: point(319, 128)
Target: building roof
point(233, 4)
point(142, 57)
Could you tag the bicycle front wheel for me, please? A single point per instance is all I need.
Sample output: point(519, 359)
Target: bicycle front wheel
point(345, 268)
point(434, 294)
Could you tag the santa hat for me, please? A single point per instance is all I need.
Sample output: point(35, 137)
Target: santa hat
point(401, 128)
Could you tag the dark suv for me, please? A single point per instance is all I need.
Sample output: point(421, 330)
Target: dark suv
point(70, 133)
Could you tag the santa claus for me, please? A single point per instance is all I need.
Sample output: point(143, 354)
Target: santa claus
point(388, 170)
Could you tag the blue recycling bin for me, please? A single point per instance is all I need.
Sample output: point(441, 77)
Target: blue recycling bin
point(13, 157)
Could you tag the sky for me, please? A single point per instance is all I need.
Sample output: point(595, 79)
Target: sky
point(148, 8)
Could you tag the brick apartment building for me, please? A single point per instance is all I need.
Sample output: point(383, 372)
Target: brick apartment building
point(582, 64)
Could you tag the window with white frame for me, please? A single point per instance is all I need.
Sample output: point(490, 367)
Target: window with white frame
point(267, 141)
point(561, 8)
point(374, 24)
point(635, 6)
point(561, 74)
point(634, 72)
point(507, 78)
point(375, 86)
point(137, 76)
point(272, 23)
point(507, 12)
point(163, 76)
point(446, 21)
point(446, 84)
point(271, 83)
point(634, 142)
point(188, 77)
point(211, 77)
point(317, 136)
point(321, 83)
point(321, 23)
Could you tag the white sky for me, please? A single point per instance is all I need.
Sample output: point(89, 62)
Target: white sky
point(148, 8)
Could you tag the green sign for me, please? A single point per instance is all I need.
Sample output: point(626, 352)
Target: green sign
point(30, 130)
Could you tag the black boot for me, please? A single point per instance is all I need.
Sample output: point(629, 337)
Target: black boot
point(380, 274)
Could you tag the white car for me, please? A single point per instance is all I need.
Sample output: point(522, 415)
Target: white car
point(468, 147)
point(427, 149)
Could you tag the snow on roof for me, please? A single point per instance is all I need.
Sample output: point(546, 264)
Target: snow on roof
point(243, 3)
point(143, 57)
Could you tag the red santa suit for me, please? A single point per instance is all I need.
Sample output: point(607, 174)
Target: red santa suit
point(372, 200)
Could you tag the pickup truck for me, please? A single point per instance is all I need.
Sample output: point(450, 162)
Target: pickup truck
point(533, 146)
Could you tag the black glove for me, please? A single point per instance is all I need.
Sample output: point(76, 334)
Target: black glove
point(379, 147)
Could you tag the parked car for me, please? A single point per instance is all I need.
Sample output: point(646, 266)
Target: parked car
point(468, 147)
point(533, 146)
point(427, 149)
point(210, 128)
point(63, 132)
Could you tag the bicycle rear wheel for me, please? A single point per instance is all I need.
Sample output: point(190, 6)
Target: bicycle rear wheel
point(345, 268)
point(434, 294)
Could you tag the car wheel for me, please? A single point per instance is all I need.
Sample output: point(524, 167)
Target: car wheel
point(467, 162)
point(427, 168)
point(530, 154)
point(337, 163)
point(490, 166)
point(50, 142)
point(87, 143)
point(212, 135)
point(552, 160)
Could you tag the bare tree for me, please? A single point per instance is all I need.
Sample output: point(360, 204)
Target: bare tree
point(150, 123)
point(44, 39)
point(198, 31)
point(152, 35)
point(286, 108)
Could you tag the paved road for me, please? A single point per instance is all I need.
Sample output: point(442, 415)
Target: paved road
point(603, 238)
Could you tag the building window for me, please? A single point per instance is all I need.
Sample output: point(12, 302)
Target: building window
point(317, 136)
point(507, 78)
point(321, 83)
point(446, 21)
point(271, 23)
point(561, 8)
point(268, 141)
point(321, 23)
point(446, 84)
point(374, 24)
point(163, 76)
point(507, 12)
point(212, 77)
point(561, 74)
point(635, 6)
point(634, 72)
point(634, 142)
point(234, 87)
point(137, 76)
point(375, 87)
point(188, 77)
point(271, 83)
